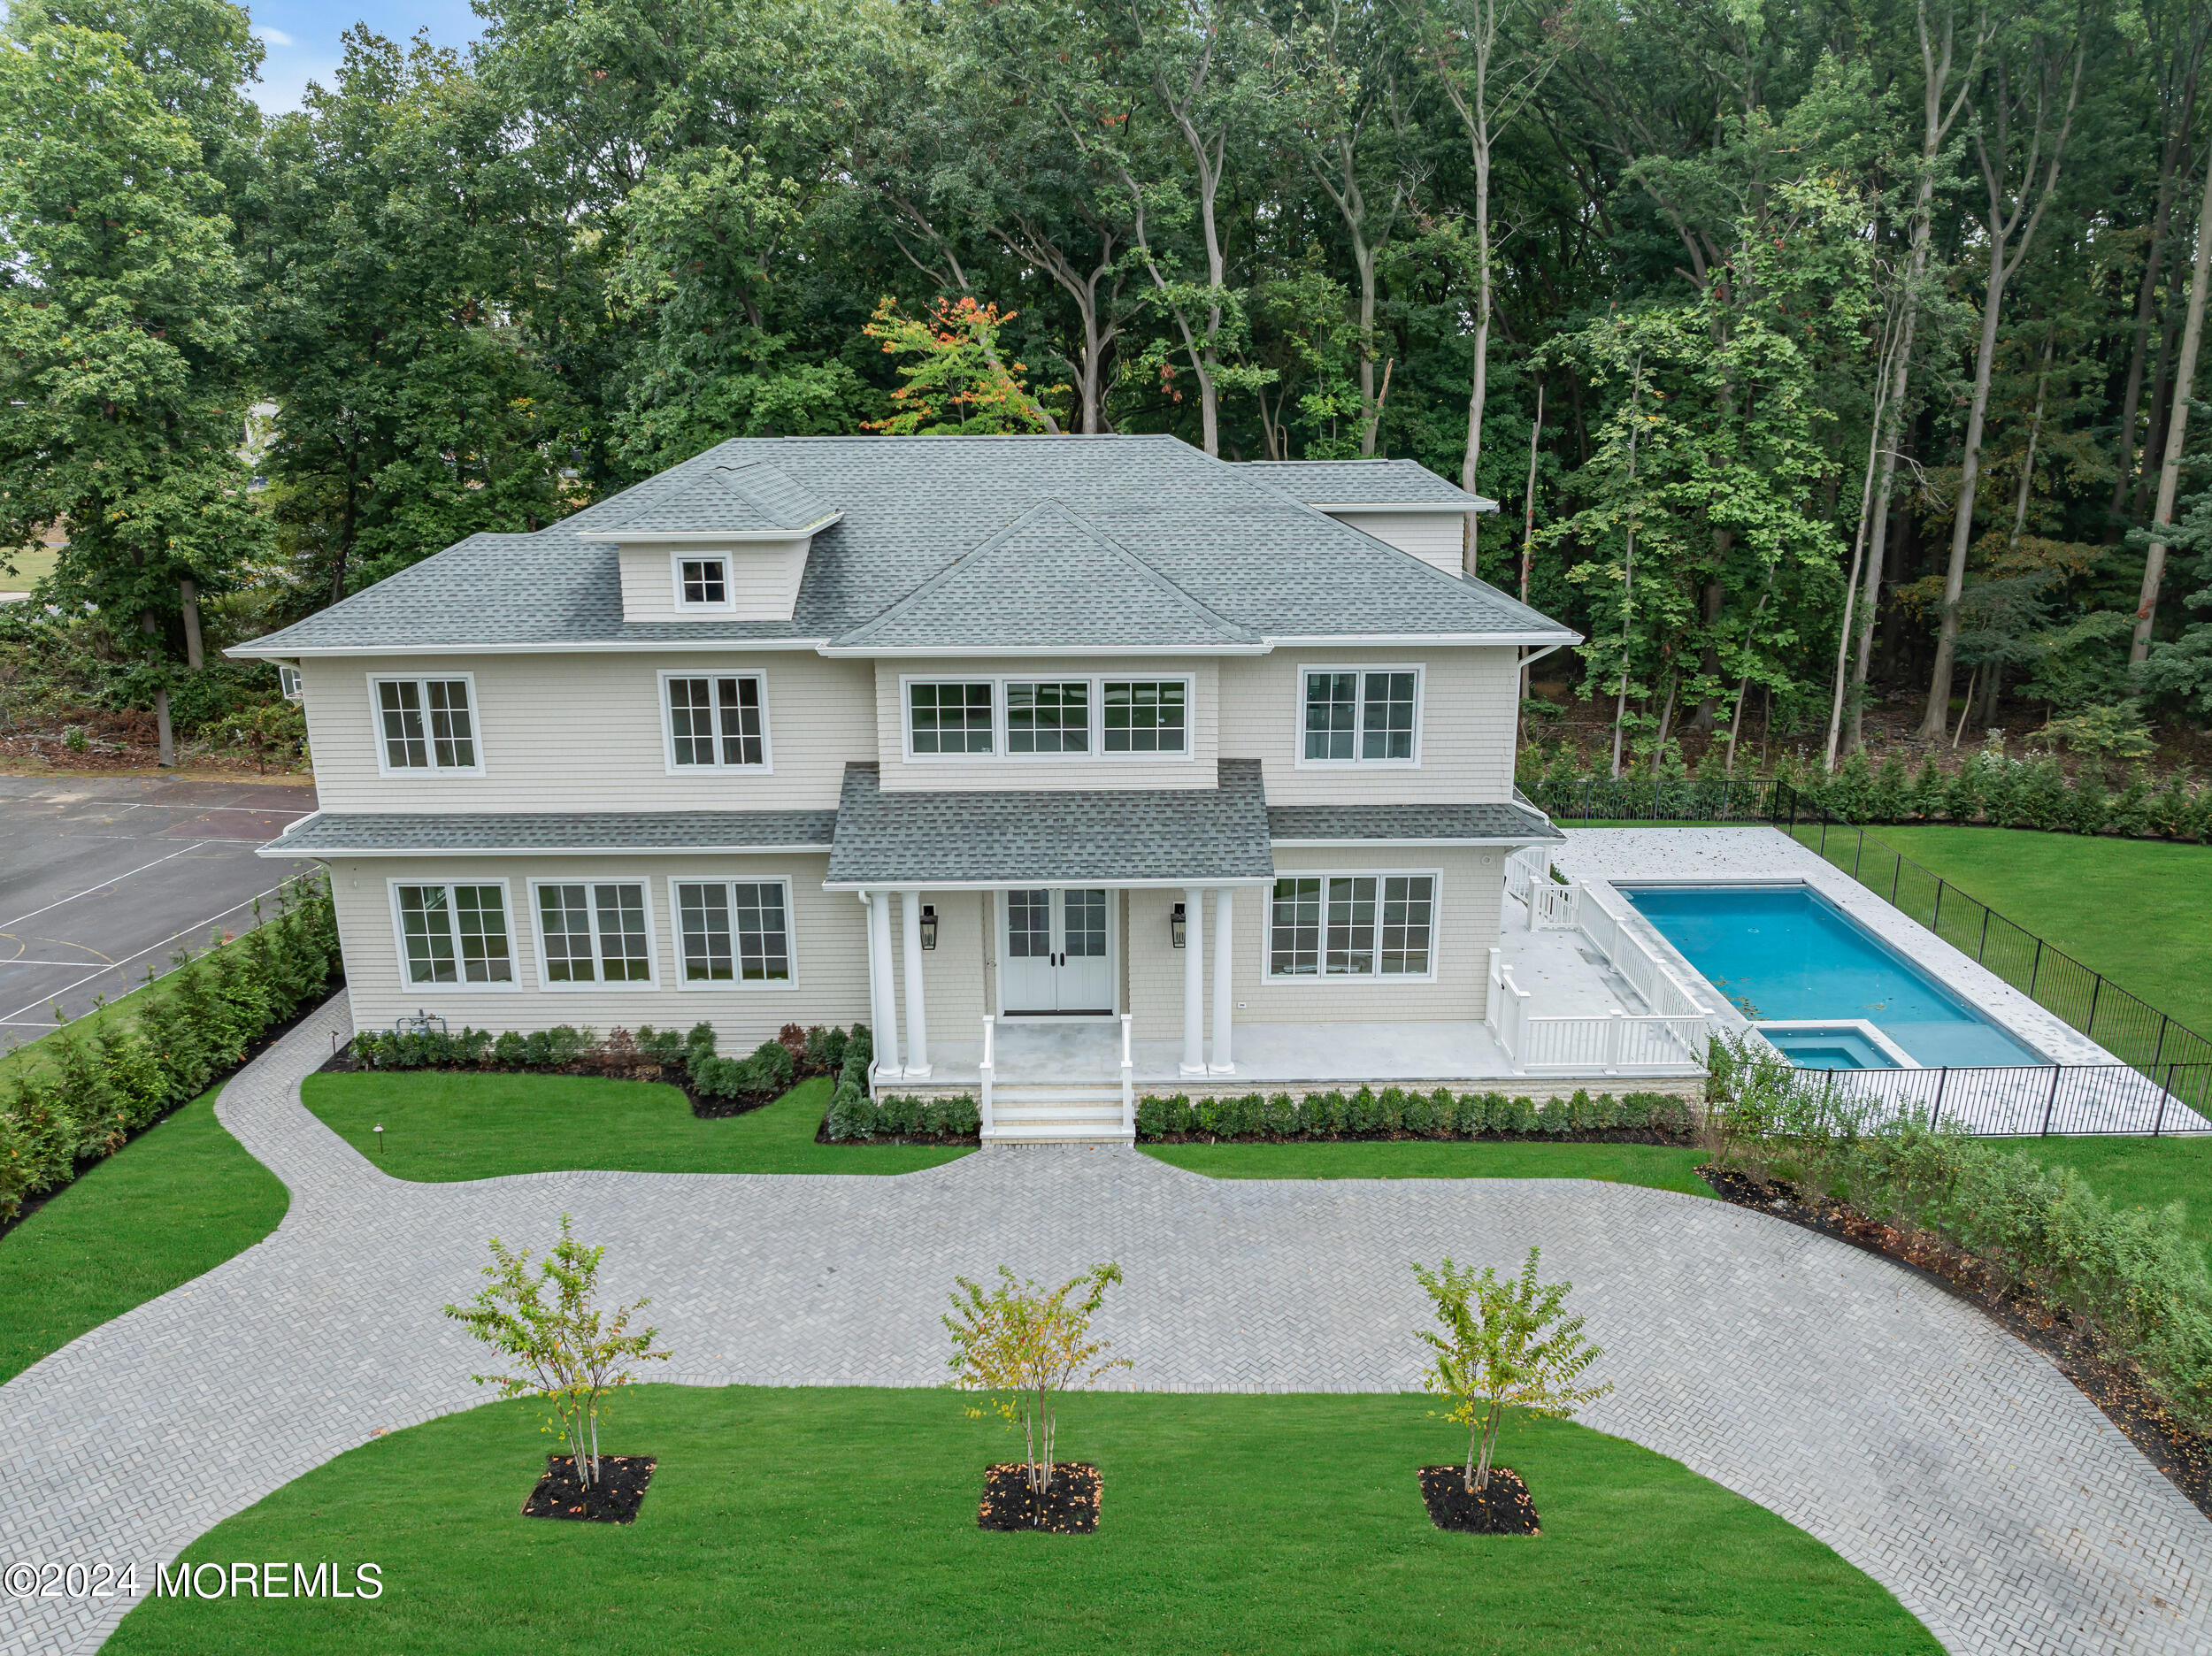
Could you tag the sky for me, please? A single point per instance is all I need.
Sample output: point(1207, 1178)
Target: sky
point(301, 36)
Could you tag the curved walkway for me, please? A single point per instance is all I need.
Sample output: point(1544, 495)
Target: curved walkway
point(1926, 1446)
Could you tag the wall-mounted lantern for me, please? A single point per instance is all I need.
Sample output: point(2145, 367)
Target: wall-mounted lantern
point(929, 925)
point(1176, 924)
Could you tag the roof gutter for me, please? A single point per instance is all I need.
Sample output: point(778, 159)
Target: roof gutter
point(904, 882)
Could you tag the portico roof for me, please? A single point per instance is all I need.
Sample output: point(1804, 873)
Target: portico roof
point(986, 838)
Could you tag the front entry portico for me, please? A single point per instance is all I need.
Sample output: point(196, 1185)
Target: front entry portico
point(1057, 949)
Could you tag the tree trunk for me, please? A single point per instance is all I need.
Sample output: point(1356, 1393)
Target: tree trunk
point(1479, 393)
point(188, 593)
point(2176, 148)
point(2176, 430)
point(167, 738)
point(1935, 722)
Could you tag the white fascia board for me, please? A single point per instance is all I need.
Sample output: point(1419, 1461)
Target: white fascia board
point(1333, 507)
point(1260, 882)
point(925, 652)
point(575, 648)
point(702, 537)
point(1553, 837)
point(276, 852)
point(1363, 641)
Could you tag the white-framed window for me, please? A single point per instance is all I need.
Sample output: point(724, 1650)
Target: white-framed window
point(1146, 716)
point(950, 718)
point(701, 580)
point(733, 933)
point(594, 933)
point(1352, 925)
point(289, 684)
point(1057, 718)
point(1359, 715)
point(452, 934)
point(716, 720)
point(427, 724)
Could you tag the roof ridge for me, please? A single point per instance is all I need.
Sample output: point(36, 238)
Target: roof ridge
point(1213, 618)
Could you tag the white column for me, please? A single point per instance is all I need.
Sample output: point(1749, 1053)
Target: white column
point(1194, 982)
point(916, 1029)
point(886, 1008)
point(1224, 979)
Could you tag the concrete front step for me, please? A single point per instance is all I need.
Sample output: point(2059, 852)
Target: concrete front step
point(1040, 1113)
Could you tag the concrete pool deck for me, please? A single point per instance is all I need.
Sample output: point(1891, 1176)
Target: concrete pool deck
point(1720, 855)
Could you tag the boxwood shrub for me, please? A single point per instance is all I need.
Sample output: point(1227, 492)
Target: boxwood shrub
point(1394, 1113)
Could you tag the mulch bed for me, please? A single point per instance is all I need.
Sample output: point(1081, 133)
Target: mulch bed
point(615, 1499)
point(1503, 1506)
point(1068, 1508)
point(2113, 1385)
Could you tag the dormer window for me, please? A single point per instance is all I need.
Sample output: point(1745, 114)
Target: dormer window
point(702, 583)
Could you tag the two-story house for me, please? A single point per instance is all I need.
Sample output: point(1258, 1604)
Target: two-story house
point(1098, 739)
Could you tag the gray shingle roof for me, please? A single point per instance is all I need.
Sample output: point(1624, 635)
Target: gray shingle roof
point(1050, 573)
point(333, 833)
point(1053, 837)
point(1493, 824)
point(915, 506)
point(730, 500)
point(1365, 483)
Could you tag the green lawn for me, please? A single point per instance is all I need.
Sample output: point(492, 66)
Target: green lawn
point(440, 1126)
point(834, 1521)
point(1658, 1166)
point(177, 1201)
point(31, 567)
point(2137, 910)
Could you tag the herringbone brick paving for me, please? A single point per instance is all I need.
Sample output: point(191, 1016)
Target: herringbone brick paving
point(1857, 1400)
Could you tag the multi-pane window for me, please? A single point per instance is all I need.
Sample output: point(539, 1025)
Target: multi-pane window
point(704, 581)
point(1029, 924)
point(1144, 716)
point(737, 933)
point(1083, 923)
point(594, 933)
point(425, 723)
point(1362, 715)
point(1352, 925)
point(1049, 719)
point(949, 719)
point(454, 934)
point(716, 721)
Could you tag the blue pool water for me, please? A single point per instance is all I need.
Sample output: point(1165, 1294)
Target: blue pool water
point(1786, 952)
point(1810, 1046)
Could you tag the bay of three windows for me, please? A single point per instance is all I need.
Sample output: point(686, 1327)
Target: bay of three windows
point(1051, 717)
point(595, 933)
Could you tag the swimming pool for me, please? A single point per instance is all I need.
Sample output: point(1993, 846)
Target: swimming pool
point(1787, 952)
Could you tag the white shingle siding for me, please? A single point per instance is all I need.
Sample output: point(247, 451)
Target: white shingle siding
point(586, 733)
point(829, 948)
point(1439, 539)
point(763, 579)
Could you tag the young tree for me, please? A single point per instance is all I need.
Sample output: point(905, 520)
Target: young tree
point(959, 381)
point(567, 1352)
point(1026, 1344)
point(1505, 1345)
point(125, 348)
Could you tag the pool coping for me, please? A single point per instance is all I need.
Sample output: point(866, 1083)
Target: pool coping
point(1767, 856)
point(1899, 1058)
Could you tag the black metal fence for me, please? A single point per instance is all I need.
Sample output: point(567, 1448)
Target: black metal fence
point(2174, 1058)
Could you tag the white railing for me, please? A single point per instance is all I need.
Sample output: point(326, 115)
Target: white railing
point(1647, 973)
point(1593, 1042)
point(1524, 868)
point(1128, 1082)
point(1556, 908)
point(987, 1071)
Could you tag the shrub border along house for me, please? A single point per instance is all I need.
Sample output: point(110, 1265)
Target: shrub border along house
point(95, 1092)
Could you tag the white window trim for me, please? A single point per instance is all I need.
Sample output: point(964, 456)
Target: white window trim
point(767, 764)
point(1420, 714)
point(290, 684)
point(1436, 926)
point(385, 767)
point(738, 985)
point(513, 986)
point(1000, 734)
point(546, 985)
point(679, 556)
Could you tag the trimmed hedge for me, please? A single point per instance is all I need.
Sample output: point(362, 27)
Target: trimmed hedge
point(105, 1086)
point(1992, 788)
point(1392, 1113)
point(2135, 1279)
point(767, 1072)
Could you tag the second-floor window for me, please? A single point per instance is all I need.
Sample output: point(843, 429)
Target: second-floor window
point(715, 720)
point(1023, 718)
point(427, 724)
point(1362, 716)
point(702, 583)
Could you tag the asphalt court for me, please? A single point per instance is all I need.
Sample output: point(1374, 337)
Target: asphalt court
point(101, 877)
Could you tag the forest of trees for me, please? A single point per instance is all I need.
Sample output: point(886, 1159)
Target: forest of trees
point(1816, 352)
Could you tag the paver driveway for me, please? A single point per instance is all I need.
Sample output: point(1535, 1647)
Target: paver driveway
point(1931, 1450)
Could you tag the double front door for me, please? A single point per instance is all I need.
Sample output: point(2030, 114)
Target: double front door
point(1056, 953)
